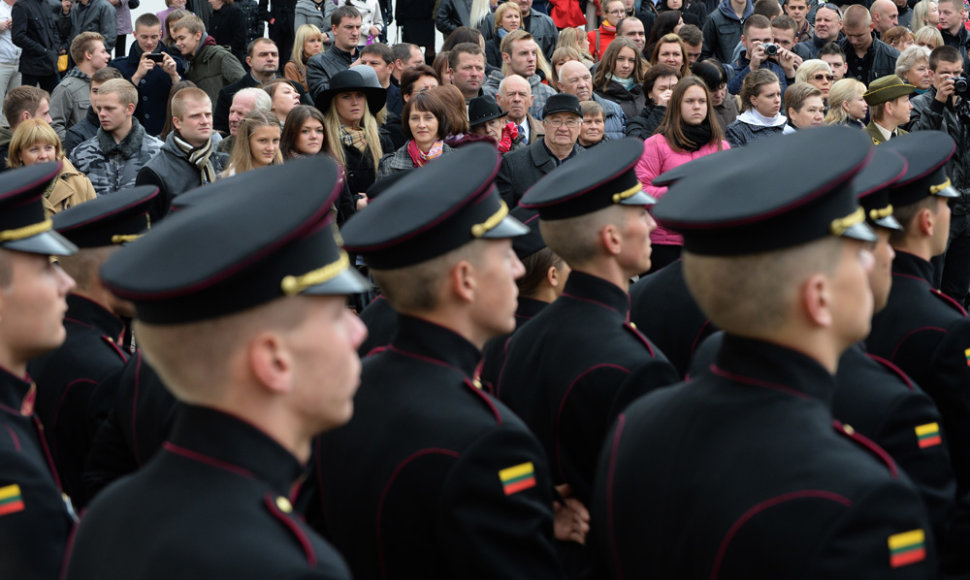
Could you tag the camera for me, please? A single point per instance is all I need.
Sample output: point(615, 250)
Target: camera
point(771, 49)
point(157, 57)
point(960, 86)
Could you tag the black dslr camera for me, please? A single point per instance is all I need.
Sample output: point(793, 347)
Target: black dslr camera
point(771, 49)
point(960, 86)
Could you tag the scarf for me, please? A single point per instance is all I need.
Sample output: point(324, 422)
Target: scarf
point(502, 32)
point(420, 158)
point(199, 157)
point(626, 83)
point(353, 137)
point(696, 136)
point(753, 117)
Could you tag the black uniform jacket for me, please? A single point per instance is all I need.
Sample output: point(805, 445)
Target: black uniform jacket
point(493, 355)
point(927, 335)
point(212, 504)
point(66, 378)
point(380, 318)
point(432, 478)
point(34, 520)
point(566, 374)
point(743, 473)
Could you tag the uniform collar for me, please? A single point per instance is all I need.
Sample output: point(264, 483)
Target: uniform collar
point(89, 313)
point(912, 266)
point(16, 394)
point(221, 440)
point(437, 344)
point(528, 308)
point(582, 286)
point(767, 365)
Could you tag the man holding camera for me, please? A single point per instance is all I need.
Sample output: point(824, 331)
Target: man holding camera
point(944, 107)
point(760, 51)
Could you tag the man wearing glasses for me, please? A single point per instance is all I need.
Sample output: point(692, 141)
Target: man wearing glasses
point(561, 119)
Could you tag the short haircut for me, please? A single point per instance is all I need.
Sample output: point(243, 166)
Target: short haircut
point(946, 54)
point(84, 43)
point(756, 21)
point(622, 23)
point(28, 133)
point(576, 239)
point(767, 8)
point(191, 23)
point(691, 34)
point(411, 76)
point(911, 57)
point(428, 102)
point(127, 93)
point(461, 35)
point(904, 214)
point(345, 11)
point(417, 288)
point(83, 266)
point(187, 94)
point(510, 6)
point(810, 68)
point(513, 37)
point(20, 99)
point(106, 74)
point(261, 99)
point(147, 20)
point(251, 47)
point(784, 22)
point(857, 16)
point(592, 108)
point(509, 78)
point(929, 35)
point(381, 50)
point(402, 50)
point(657, 71)
point(751, 86)
point(956, 4)
point(464, 48)
point(171, 19)
point(831, 48)
point(797, 93)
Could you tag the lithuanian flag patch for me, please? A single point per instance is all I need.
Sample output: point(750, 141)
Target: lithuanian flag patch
point(907, 548)
point(966, 353)
point(10, 500)
point(928, 435)
point(518, 477)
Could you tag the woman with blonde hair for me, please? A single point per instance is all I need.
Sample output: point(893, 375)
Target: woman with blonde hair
point(619, 76)
point(308, 42)
point(35, 141)
point(576, 39)
point(846, 104)
point(817, 73)
point(508, 18)
point(929, 37)
point(257, 144)
point(925, 13)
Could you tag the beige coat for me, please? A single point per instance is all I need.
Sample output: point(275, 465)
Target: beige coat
point(70, 188)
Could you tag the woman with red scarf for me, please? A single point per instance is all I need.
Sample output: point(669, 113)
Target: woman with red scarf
point(425, 124)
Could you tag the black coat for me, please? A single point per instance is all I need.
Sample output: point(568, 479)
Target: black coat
point(34, 529)
point(566, 374)
point(34, 31)
point(381, 322)
point(67, 376)
point(522, 168)
point(645, 123)
point(212, 503)
point(228, 26)
point(632, 101)
point(416, 485)
point(493, 355)
point(743, 473)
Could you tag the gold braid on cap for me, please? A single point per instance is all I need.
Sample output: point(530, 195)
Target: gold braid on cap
point(293, 285)
point(479, 230)
point(935, 189)
point(840, 225)
point(878, 214)
point(618, 197)
point(26, 231)
point(121, 238)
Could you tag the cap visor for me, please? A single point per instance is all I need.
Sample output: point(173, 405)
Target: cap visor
point(861, 232)
point(346, 282)
point(890, 223)
point(947, 192)
point(509, 227)
point(49, 243)
point(639, 198)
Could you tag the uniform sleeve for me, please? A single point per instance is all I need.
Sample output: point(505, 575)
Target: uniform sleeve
point(495, 515)
point(110, 458)
point(949, 389)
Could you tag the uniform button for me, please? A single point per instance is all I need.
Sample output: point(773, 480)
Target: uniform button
point(284, 505)
point(477, 383)
point(633, 325)
point(848, 429)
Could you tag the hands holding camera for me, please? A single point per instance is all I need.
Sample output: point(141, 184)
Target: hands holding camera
point(150, 60)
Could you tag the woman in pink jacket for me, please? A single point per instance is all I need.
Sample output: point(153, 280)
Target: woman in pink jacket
point(685, 134)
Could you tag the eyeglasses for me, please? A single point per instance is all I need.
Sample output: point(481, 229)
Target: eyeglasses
point(570, 123)
point(824, 77)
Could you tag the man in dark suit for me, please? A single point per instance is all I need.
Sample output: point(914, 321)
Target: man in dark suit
point(515, 96)
point(561, 119)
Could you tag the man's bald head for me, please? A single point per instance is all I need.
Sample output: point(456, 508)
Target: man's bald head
point(575, 79)
point(515, 97)
point(884, 14)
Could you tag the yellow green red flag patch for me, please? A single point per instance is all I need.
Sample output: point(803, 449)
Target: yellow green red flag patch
point(518, 477)
point(907, 548)
point(966, 353)
point(928, 435)
point(10, 500)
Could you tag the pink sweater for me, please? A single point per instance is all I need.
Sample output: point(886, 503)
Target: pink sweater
point(658, 158)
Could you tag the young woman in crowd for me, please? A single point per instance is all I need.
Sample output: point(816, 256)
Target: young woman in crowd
point(257, 144)
point(929, 37)
point(847, 106)
point(426, 116)
point(170, 19)
point(576, 39)
point(309, 41)
point(285, 97)
point(508, 17)
point(725, 105)
point(35, 141)
point(913, 66)
point(303, 134)
point(804, 105)
point(658, 84)
point(760, 110)
point(687, 132)
point(613, 11)
point(925, 13)
point(442, 68)
point(228, 26)
point(667, 23)
point(817, 73)
point(671, 51)
point(619, 76)
point(592, 132)
point(561, 56)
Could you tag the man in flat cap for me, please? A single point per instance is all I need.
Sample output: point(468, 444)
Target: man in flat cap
point(253, 336)
point(889, 107)
point(35, 517)
point(433, 478)
point(743, 472)
point(67, 376)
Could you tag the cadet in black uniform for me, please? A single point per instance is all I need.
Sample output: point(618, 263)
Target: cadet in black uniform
point(254, 336)
point(66, 377)
point(921, 330)
point(565, 369)
point(743, 472)
point(35, 516)
point(433, 478)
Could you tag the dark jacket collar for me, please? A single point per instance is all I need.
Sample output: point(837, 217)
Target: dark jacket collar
point(753, 361)
point(228, 440)
point(589, 288)
point(913, 266)
point(428, 340)
point(342, 55)
point(528, 309)
point(89, 313)
point(16, 394)
point(127, 147)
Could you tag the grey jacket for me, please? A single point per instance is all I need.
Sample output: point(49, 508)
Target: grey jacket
point(172, 173)
point(540, 92)
point(113, 166)
point(308, 12)
point(69, 103)
point(321, 68)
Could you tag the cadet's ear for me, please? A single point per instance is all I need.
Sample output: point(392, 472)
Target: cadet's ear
point(610, 239)
point(816, 300)
point(926, 222)
point(270, 362)
point(463, 281)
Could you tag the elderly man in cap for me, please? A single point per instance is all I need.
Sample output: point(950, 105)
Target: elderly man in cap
point(889, 107)
point(253, 336)
point(35, 518)
point(695, 480)
point(67, 376)
point(462, 488)
point(521, 169)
